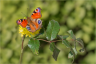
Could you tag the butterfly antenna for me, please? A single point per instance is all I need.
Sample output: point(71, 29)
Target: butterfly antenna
point(24, 14)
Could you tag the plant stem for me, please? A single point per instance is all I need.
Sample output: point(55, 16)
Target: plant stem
point(22, 49)
point(49, 41)
point(53, 40)
point(43, 40)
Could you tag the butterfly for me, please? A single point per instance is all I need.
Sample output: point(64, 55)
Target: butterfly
point(32, 23)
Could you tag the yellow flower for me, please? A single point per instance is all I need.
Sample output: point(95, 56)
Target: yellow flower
point(24, 31)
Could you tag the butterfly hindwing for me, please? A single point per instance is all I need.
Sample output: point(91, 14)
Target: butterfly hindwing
point(30, 28)
point(39, 23)
point(34, 25)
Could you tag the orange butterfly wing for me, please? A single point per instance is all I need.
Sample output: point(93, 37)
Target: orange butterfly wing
point(22, 22)
point(36, 13)
point(34, 25)
point(31, 26)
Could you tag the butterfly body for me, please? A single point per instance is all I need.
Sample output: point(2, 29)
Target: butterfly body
point(33, 22)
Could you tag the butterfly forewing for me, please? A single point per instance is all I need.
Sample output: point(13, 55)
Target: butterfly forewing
point(22, 22)
point(36, 13)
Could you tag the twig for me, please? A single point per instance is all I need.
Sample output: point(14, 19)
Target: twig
point(44, 40)
point(52, 40)
point(49, 41)
point(22, 49)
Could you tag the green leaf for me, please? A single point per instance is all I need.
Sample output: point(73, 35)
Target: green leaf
point(81, 43)
point(34, 44)
point(66, 43)
point(64, 37)
point(52, 30)
point(70, 55)
point(55, 53)
point(74, 49)
point(52, 46)
point(55, 50)
point(71, 34)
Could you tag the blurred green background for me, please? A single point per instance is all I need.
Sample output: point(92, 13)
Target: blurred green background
point(78, 15)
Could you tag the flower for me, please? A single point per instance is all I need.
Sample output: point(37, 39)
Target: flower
point(24, 31)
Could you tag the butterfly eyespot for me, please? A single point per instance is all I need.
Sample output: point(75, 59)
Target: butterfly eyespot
point(28, 28)
point(18, 21)
point(39, 21)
